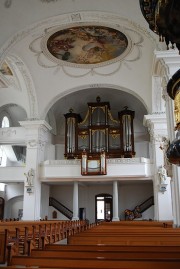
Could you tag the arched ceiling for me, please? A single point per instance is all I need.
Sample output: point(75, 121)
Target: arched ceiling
point(118, 99)
point(24, 26)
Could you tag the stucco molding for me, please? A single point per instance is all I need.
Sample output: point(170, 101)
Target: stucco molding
point(36, 29)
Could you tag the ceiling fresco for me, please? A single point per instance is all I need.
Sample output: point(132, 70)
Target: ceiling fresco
point(87, 44)
point(5, 70)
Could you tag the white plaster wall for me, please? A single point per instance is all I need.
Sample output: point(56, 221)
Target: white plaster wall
point(2, 194)
point(165, 203)
point(16, 205)
point(59, 215)
point(64, 194)
point(130, 195)
point(60, 151)
point(142, 149)
point(38, 11)
point(148, 214)
point(12, 207)
point(62, 83)
point(44, 200)
point(49, 152)
point(12, 174)
point(12, 190)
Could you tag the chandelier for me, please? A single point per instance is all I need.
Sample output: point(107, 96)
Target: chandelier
point(163, 17)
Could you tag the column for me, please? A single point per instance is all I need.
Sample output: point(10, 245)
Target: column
point(75, 202)
point(115, 202)
point(168, 64)
point(37, 135)
point(157, 128)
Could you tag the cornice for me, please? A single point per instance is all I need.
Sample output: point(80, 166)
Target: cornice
point(35, 124)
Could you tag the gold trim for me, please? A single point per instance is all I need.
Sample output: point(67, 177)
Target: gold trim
point(83, 122)
point(111, 118)
point(83, 136)
point(174, 85)
point(177, 107)
point(102, 130)
point(114, 136)
point(69, 120)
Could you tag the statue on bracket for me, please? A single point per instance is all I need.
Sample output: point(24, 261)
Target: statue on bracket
point(30, 177)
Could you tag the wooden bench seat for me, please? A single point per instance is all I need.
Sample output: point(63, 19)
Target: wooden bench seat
point(133, 239)
point(22, 236)
point(125, 254)
point(144, 223)
point(96, 263)
point(56, 247)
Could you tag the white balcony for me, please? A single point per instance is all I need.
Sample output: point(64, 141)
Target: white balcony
point(12, 135)
point(12, 174)
point(123, 168)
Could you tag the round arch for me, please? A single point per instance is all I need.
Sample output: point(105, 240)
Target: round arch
point(14, 113)
point(13, 207)
point(91, 87)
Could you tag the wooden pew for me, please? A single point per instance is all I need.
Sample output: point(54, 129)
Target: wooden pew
point(127, 248)
point(96, 263)
point(3, 238)
point(22, 236)
point(144, 223)
point(131, 235)
point(86, 254)
point(134, 248)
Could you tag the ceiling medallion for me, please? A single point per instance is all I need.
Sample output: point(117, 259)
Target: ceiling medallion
point(88, 45)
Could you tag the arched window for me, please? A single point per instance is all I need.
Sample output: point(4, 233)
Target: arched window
point(5, 122)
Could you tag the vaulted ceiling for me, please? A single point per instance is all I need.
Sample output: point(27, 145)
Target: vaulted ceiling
point(41, 83)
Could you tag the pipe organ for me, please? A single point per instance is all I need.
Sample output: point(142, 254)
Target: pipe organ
point(99, 131)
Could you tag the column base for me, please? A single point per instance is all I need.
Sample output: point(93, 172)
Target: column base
point(115, 219)
point(75, 218)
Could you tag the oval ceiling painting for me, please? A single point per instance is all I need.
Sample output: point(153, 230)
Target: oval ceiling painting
point(87, 44)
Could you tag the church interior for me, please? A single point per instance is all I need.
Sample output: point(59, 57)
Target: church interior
point(89, 110)
point(90, 134)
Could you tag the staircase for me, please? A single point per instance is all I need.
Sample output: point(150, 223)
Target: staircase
point(60, 207)
point(20, 153)
point(136, 213)
point(146, 204)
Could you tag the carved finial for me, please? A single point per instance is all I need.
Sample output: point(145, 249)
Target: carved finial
point(71, 110)
point(98, 99)
point(125, 107)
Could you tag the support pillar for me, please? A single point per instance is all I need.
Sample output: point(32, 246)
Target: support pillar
point(168, 64)
point(115, 202)
point(37, 135)
point(75, 202)
point(157, 127)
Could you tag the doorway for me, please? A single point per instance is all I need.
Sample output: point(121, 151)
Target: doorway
point(1, 208)
point(103, 206)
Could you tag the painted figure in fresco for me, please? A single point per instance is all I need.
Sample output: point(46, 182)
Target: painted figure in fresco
point(87, 44)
